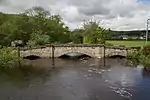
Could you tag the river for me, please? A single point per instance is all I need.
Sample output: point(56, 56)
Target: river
point(73, 79)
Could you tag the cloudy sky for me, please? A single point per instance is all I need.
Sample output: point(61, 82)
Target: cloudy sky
point(114, 14)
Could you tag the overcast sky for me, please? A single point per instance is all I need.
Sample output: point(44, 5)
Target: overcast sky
point(114, 14)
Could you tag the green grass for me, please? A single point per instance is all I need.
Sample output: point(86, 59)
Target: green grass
point(128, 43)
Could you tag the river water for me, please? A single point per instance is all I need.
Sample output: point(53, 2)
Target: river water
point(73, 79)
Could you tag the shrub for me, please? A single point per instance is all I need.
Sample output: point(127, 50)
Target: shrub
point(141, 56)
point(134, 56)
point(146, 50)
point(8, 57)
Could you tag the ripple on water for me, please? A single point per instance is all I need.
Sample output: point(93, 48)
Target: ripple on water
point(75, 80)
point(121, 92)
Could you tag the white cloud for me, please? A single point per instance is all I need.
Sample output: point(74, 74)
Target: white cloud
point(115, 14)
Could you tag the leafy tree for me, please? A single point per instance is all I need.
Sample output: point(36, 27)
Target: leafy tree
point(34, 21)
point(16, 27)
point(77, 36)
point(38, 39)
point(95, 34)
point(50, 25)
point(86, 40)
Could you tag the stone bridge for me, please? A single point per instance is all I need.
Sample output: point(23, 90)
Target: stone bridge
point(92, 50)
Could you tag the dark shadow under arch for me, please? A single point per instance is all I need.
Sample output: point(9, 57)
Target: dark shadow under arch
point(31, 57)
point(116, 56)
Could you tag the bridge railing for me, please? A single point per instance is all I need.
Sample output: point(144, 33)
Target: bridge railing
point(60, 45)
point(77, 45)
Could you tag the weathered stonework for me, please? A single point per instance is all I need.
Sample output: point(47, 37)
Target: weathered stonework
point(95, 51)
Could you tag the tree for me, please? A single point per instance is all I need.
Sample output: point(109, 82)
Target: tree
point(38, 39)
point(77, 36)
point(33, 22)
point(100, 35)
point(94, 33)
point(50, 25)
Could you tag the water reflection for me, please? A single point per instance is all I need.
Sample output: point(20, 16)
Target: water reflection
point(83, 79)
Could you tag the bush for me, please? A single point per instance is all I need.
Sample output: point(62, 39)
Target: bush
point(141, 56)
point(146, 62)
point(134, 55)
point(10, 71)
point(8, 58)
point(146, 50)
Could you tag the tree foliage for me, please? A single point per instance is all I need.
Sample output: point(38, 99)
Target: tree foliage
point(77, 36)
point(96, 34)
point(141, 56)
point(38, 39)
point(37, 26)
point(7, 57)
point(92, 33)
point(36, 22)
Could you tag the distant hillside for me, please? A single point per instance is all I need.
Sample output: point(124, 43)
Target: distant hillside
point(130, 33)
point(134, 33)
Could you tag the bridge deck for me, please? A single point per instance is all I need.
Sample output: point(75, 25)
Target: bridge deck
point(78, 45)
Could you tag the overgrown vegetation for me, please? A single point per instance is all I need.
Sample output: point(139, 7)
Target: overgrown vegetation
point(8, 57)
point(141, 56)
point(10, 69)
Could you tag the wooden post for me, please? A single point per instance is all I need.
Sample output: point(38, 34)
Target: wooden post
point(53, 59)
point(18, 51)
point(104, 56)
point(126, 52)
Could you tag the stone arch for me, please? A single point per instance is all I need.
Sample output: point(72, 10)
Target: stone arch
point(81, 51)
point(25, 54)
point(31, 57)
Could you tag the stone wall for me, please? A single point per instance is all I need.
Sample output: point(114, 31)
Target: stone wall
point(95, 51)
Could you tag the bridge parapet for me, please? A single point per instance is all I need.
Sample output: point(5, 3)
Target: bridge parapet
point(77, 45)
point(93, 50)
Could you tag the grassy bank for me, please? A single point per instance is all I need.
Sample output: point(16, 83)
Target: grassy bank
point(128, 43)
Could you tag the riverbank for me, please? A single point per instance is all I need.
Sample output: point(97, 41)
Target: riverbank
point(14, 67)
point(141, 56)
